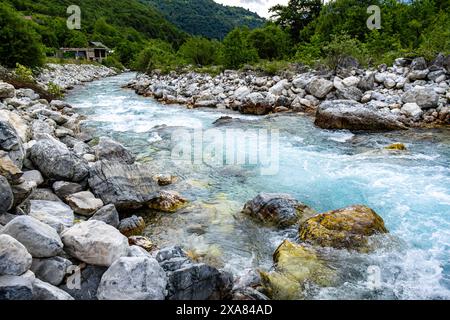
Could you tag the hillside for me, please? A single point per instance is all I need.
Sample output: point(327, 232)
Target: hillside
point(107, 20)
point(206, 17)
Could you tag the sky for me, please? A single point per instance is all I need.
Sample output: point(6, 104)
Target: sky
point(259, 6)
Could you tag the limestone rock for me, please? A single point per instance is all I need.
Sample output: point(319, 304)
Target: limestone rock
point(108, 149)
point(14, 257)
point(84, 203)
point(126, 186)
point(54, 213)
point(319, 87)
point(107, 214)
point(51, 270)
point(17, 287)
point(95, 242)
point(347, 114)
point(133, 278)
point(45, 291)
point(6, 195)
point(424, 98)
point(64, 188)
point(56, 161)
point(40, 239)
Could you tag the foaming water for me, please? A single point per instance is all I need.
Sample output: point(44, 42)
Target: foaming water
point(322, 168)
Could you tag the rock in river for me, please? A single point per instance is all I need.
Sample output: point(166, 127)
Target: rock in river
point(40, 239)
point(132, 226)
point(108, 149)
point(344, 228)
point(279, 209)
point(95, 242)
point(133, 278)
point(56, 161)
point(124, 185)
point(167, 201)
point(348, 114)
point(14, 257)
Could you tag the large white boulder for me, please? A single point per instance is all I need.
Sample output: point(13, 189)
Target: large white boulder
point(14, 257)
point(95, 242)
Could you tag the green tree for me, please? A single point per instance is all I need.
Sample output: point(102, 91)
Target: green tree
point(76, 39)
point(236, 49)
point(271, 42)
point(199, 51)
point(19, 42)
point(158, 54)
point(296, 15)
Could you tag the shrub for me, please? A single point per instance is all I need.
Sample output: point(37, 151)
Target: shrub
point(23, 73)
point(54, 90)
point(342, 47)
point(113, 62)
point(199, 51)
point(236, 50)
point(157, 55)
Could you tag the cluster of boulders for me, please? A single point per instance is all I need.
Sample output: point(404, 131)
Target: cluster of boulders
point(66, 76)
point(298, 264)
point(410, 93)
point(67, 229)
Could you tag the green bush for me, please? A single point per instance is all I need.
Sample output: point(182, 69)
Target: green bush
point(236, 50)
point(54, 90)
point(113, 62)
point(271, 42)
point(23, 73)
point(19, 42)
point(199, 51)
point(343, 46)
point(158, 54)
point(272, 68)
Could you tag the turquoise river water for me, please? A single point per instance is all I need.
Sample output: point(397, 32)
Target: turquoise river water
point(325, 169)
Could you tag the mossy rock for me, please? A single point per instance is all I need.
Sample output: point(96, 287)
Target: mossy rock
point(396, 146)
point(167, 201)
point(295, 265)
point(344, 228)
point(277, 209)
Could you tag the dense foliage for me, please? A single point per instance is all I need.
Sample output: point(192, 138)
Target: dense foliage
point(206, 17)
point(123, 25)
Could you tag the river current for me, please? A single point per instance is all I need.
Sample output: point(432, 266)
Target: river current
point(324, 169)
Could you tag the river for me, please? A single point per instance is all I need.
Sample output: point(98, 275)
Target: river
point(324, 169)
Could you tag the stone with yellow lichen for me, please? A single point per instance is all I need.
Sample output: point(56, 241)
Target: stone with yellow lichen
point(295, 265)
point(167, 201)
point(396, 146)
point(344, 228)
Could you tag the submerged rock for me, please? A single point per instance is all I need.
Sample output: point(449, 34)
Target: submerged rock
point(396, 146)
point(133, 278)
point(167, 201)
point(344, 228)
point(295, 265)
point(348, 114)
point(279, 209)
point(124, 185)
point(95, 242)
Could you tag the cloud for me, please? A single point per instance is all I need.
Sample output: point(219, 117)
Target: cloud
point(259, 6)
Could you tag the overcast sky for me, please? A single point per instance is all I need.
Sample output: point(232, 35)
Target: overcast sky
point(259, 6)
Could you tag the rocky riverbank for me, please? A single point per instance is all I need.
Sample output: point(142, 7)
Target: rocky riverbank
point(410, 93)
point(66, 76)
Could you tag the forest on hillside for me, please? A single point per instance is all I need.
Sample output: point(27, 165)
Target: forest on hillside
point(304, 31)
